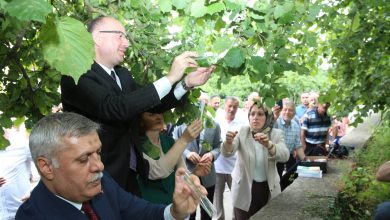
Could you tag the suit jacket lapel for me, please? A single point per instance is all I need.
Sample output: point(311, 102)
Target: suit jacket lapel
point(251, 153)
point(100, 206)
point(128, 85)
point(55, 206)
point(102, 74)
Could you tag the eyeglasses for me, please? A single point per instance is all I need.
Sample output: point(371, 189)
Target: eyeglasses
point(121, 34)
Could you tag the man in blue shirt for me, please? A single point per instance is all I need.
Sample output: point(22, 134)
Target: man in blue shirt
point(292, 140)
point(301, 109)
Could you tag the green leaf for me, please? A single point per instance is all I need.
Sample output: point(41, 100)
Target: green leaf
point(165, 5)
point(256, 16)
point(134, 3)
point(287, 18)
point(277, 68)
point(67, 46)
point(355, 22)
point(180, 4)
point(219, 24)
point(235, 57)
point(4, 143)
point(2, 4)
point(19, 121)
point(215, 8)
point(269, 102)
point(198, 9)
point(260, 66)
point(313, 12)
point(311, 39)
point(280, 10)
point(250, 32)
point(26, 10)
point(279, 41)
point(300, 7)
point(234, 5)
point(5, 122)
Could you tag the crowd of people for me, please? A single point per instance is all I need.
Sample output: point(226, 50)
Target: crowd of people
point(110, 154)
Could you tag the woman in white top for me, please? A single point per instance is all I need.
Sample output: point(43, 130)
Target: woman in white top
point(259, 148)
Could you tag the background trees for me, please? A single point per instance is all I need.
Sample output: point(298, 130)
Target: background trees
point(271, 44)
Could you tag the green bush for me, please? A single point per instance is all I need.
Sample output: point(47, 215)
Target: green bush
point(361, 193)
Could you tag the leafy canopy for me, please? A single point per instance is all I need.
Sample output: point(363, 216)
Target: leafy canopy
point(269, 43)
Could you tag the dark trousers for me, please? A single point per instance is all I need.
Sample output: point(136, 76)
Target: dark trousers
point(315, 149)
point(203, 213)
point(260, 195)
point(290, 175)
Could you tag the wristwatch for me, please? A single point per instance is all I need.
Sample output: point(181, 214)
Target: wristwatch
point(183, 83)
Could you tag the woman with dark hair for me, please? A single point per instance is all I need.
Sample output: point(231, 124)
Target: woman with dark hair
point(164, 156)
point(259, 148)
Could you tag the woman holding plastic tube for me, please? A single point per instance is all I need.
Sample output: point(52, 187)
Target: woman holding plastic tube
point(259, 148)
point(164, 156)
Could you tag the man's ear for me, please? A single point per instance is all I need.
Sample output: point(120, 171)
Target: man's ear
point(97, 39)
point(45, 167)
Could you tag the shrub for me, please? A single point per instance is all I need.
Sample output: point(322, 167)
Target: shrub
point(361, 193)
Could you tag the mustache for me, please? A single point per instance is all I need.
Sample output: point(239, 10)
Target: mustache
point(97, 176)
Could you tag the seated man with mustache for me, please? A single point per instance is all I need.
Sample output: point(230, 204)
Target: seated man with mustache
point(65, 148)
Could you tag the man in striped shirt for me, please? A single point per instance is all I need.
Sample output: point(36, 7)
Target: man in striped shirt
point(314, 130)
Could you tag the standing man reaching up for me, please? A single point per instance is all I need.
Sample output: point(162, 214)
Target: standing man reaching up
point(108, 95)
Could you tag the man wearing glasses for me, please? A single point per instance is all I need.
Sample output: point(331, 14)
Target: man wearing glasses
point(109, 95)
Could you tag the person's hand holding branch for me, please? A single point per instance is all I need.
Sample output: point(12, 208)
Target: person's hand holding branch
point(180, 64)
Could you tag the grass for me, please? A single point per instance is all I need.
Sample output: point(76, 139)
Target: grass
point(360, 193)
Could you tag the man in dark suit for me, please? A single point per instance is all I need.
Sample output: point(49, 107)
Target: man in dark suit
point(108, 95)
point(65, 148)
point(205, 149)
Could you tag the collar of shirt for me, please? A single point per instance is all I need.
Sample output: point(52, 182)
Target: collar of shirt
point(75, 204)
point(284, 123)
point(108, 71)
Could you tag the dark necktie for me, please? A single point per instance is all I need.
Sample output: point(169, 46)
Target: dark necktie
point(88, 211)
point(198, 141)
point(113, 76)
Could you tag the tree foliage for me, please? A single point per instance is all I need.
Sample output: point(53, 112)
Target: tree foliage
point(358, 39)
point(260, 40)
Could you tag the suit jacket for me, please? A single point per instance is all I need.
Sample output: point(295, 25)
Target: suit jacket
point(113, 203)
point(99, 98)
point(242, 175)
point(213, 137)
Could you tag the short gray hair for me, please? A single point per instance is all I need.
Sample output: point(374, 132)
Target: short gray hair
point(46, 136)
point(233, 98)
point(289, 102)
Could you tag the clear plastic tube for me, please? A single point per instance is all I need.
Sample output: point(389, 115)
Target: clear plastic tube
point(204, 201)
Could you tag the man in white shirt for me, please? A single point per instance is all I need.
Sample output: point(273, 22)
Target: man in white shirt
point(224, 165)
point(16, 172)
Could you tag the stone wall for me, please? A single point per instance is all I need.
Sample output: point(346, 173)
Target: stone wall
point(306, 198)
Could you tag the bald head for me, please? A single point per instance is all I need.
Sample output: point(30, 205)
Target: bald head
point(110, 40)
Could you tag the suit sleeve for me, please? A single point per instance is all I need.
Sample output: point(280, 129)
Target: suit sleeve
point(216, 142)
point(130, 206)
point(94, 97)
